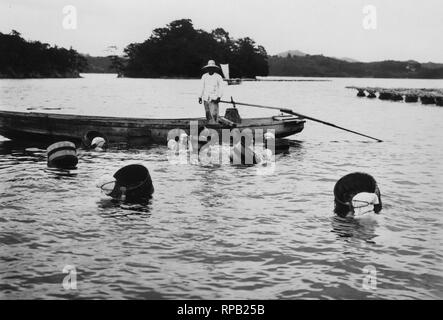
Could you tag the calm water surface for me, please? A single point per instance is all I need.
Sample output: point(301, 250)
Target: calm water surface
point(226, 232)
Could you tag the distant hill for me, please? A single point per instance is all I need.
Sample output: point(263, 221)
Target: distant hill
point(322, 66)
point(348, 59)
point(432, 65)
point(292, 53)
point(299, 53)
point(301, 64)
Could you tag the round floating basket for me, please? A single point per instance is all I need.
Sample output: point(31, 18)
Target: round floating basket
point(132, 182)
point(350, 185)
point(62, 155)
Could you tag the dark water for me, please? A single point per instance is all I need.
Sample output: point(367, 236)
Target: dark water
point(226, 232)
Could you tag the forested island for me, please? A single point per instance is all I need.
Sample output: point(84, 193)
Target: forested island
point(180, 51)
point(32, 59)
point(322, 66)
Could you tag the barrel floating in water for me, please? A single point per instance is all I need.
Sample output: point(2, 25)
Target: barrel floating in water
point(62, 155)
point(396, 97)
point(385, 95)
point(349, 186)
point(132, 182)
point(411, 98)
point(427, 99)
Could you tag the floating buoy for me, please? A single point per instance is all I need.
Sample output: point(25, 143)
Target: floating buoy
point(132, 182)
point(439, 101)
point(355, 194)
point(62, 155)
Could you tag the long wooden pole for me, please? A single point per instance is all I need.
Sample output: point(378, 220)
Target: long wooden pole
point(289, 111)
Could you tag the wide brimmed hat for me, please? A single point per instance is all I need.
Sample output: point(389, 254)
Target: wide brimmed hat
point(211, 64)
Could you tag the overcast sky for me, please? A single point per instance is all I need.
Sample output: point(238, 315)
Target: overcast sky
point(406, 29)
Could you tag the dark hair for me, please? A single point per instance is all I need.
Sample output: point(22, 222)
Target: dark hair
point(348, 186)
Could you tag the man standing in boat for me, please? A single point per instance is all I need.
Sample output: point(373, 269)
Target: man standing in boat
point(212, 90)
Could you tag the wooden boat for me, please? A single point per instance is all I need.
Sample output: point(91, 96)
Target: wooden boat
point(135, 131)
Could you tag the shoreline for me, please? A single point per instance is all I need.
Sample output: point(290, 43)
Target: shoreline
point(68, 75)
point(274, 78)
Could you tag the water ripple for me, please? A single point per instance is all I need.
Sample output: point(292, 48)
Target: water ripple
point(225, 232)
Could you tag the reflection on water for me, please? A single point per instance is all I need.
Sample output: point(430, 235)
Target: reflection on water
point(117, 208)
point(363, 228)
point(225, 231)
point(209, 190)
point(59, 173)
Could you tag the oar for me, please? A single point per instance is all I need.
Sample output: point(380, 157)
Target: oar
point(289, 111)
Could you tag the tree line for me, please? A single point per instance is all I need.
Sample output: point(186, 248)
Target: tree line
point(32, 59)
point(321, 66)
point(180, 50)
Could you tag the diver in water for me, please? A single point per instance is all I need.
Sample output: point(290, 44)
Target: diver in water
point(356, 194)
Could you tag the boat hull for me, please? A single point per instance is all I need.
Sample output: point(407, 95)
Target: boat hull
point(134, 131)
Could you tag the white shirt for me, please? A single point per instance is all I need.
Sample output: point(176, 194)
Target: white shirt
point(212, 86)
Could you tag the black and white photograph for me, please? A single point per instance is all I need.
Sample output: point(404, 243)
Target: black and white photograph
point(221, 150)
